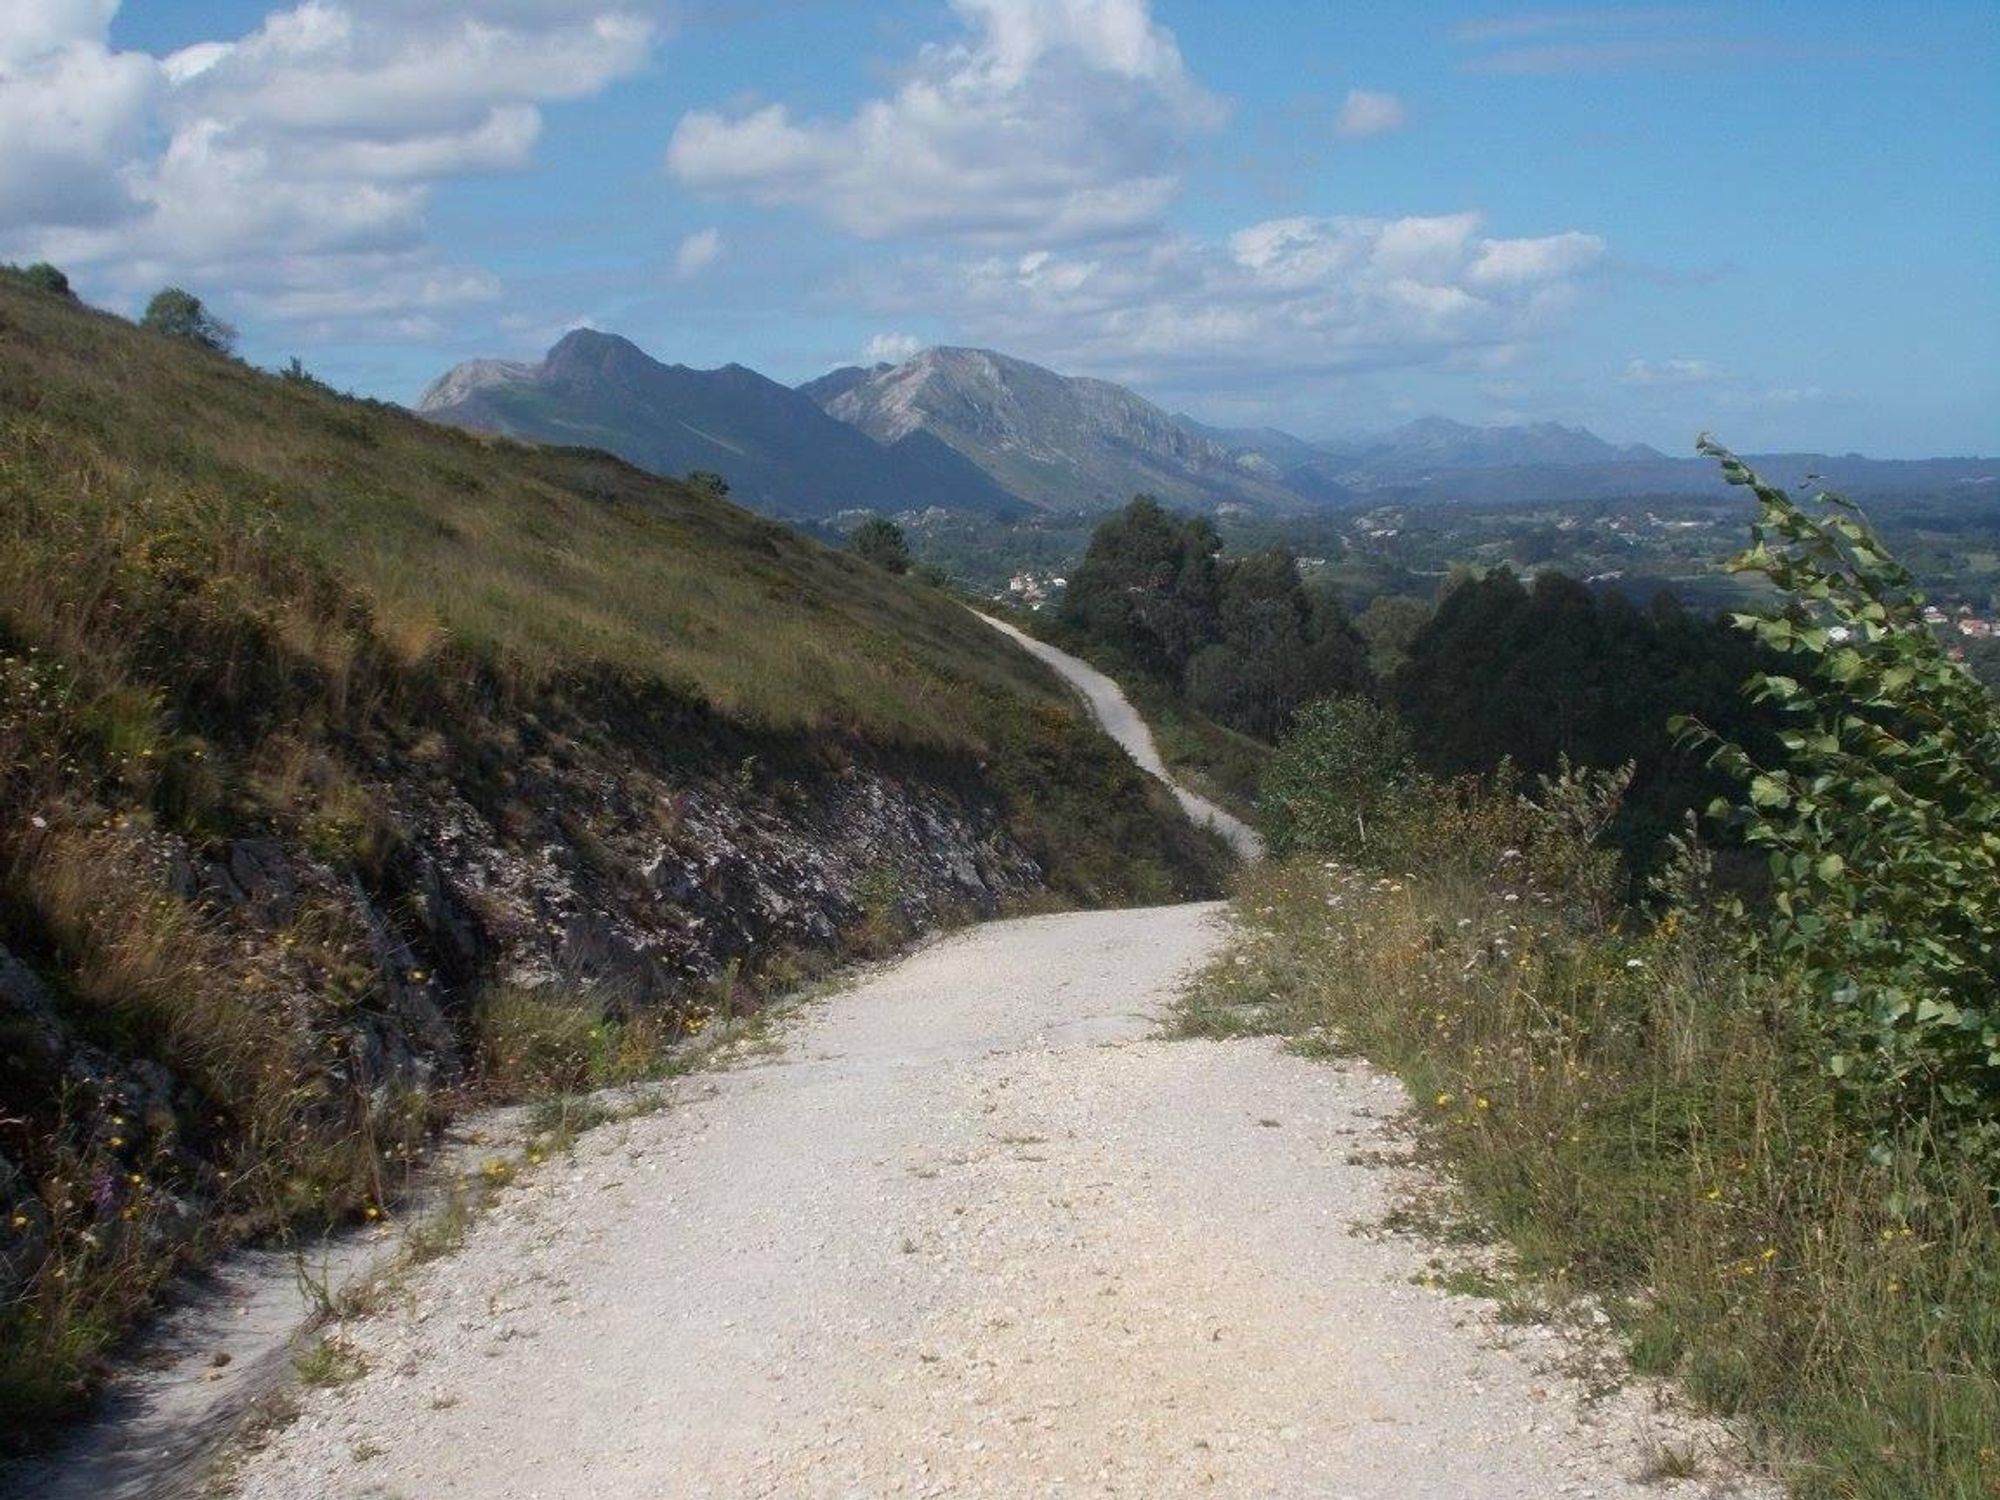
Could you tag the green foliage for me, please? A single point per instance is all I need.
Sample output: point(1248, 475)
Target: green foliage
point(1533, 673)
point(531, 1042)
point(1241, 638)
point(180, 314)
point(43, 277)
point(1337, 775)
point(708, 482)
point(1882, 819)
point(1148, 587)
point(880, 541)
point(1390, 625)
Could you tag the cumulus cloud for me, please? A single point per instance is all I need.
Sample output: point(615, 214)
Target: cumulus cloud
point(891, 349)
point(34, 28)
point(1304, 295)
point(1365, 112)
point(292, 165)
point(1050, 121)
point(697, 253)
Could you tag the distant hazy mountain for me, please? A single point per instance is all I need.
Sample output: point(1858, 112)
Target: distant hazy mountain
point(1058, 442)
point(1432, 443)
point(972, 430)
point(1438, 461)
point(779, 451)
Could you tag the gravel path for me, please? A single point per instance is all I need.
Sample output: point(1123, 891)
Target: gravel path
point(1120, 720)
point(971, 1232)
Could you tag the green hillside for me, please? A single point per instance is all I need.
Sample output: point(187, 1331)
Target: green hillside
point(325, 730)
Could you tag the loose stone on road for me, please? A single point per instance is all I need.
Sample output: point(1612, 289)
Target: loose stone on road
point(973, 1231)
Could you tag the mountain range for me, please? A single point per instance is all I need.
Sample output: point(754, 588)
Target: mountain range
point(977, 431)
point(779, 452)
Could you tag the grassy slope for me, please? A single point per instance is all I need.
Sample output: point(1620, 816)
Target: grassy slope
point(370, 544)
point(234, 606)
point(548, 558)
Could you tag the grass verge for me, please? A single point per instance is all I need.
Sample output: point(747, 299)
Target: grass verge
point(1636, 1115)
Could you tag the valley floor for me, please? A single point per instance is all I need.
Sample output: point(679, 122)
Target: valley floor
point(973, 1230)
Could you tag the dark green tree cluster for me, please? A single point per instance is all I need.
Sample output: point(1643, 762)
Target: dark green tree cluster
point(1242, 638)
point(1535, 672)
point(881, 541)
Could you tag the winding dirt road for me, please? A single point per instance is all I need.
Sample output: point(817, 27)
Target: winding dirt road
point(1121, 721)
point(970, 1229)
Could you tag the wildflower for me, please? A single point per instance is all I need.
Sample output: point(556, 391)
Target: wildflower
point(1768, 1254)
point(1482, 1102)
point(1635, 963)
point(1443, 1099)
point(19, 1221)
point(372, 1212)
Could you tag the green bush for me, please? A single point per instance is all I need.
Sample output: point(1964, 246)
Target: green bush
point(881, 541)
point(1882, 819)
point(1336, 779)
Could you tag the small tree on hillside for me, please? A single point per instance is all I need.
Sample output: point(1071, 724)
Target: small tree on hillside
point(708, 482)
point(881, 541)
point(180, 314)
point(44, 277)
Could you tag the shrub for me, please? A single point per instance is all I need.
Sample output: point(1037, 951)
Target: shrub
point(180, 314)
point(44, 277)
point(537, 1042)
point(1336, 778)
point(1882, 818)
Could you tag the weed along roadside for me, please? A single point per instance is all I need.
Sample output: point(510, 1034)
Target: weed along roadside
point(1751, 1131)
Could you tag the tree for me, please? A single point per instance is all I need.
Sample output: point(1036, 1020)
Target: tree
point(708, 482)
point(1148, 587)
point(1278, 647)
point(44, 277)
point(180, 314)
point(1389, 624)
point(881, 541)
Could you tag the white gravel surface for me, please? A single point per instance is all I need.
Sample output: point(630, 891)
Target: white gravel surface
point(1119, 719)
point(971, 1232)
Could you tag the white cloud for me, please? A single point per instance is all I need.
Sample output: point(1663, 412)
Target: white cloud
point(697, 253)
point(1365, 112)
point(270, 166)
point(31, 29)
point(1051, 121)
point(1671, 372)
point(70, 115)
point(1303, 295)
point(891, 349)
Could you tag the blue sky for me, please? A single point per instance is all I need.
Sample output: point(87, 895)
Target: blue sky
point(1779, 221)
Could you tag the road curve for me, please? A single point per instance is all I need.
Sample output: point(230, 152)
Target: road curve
point(1109, 705)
